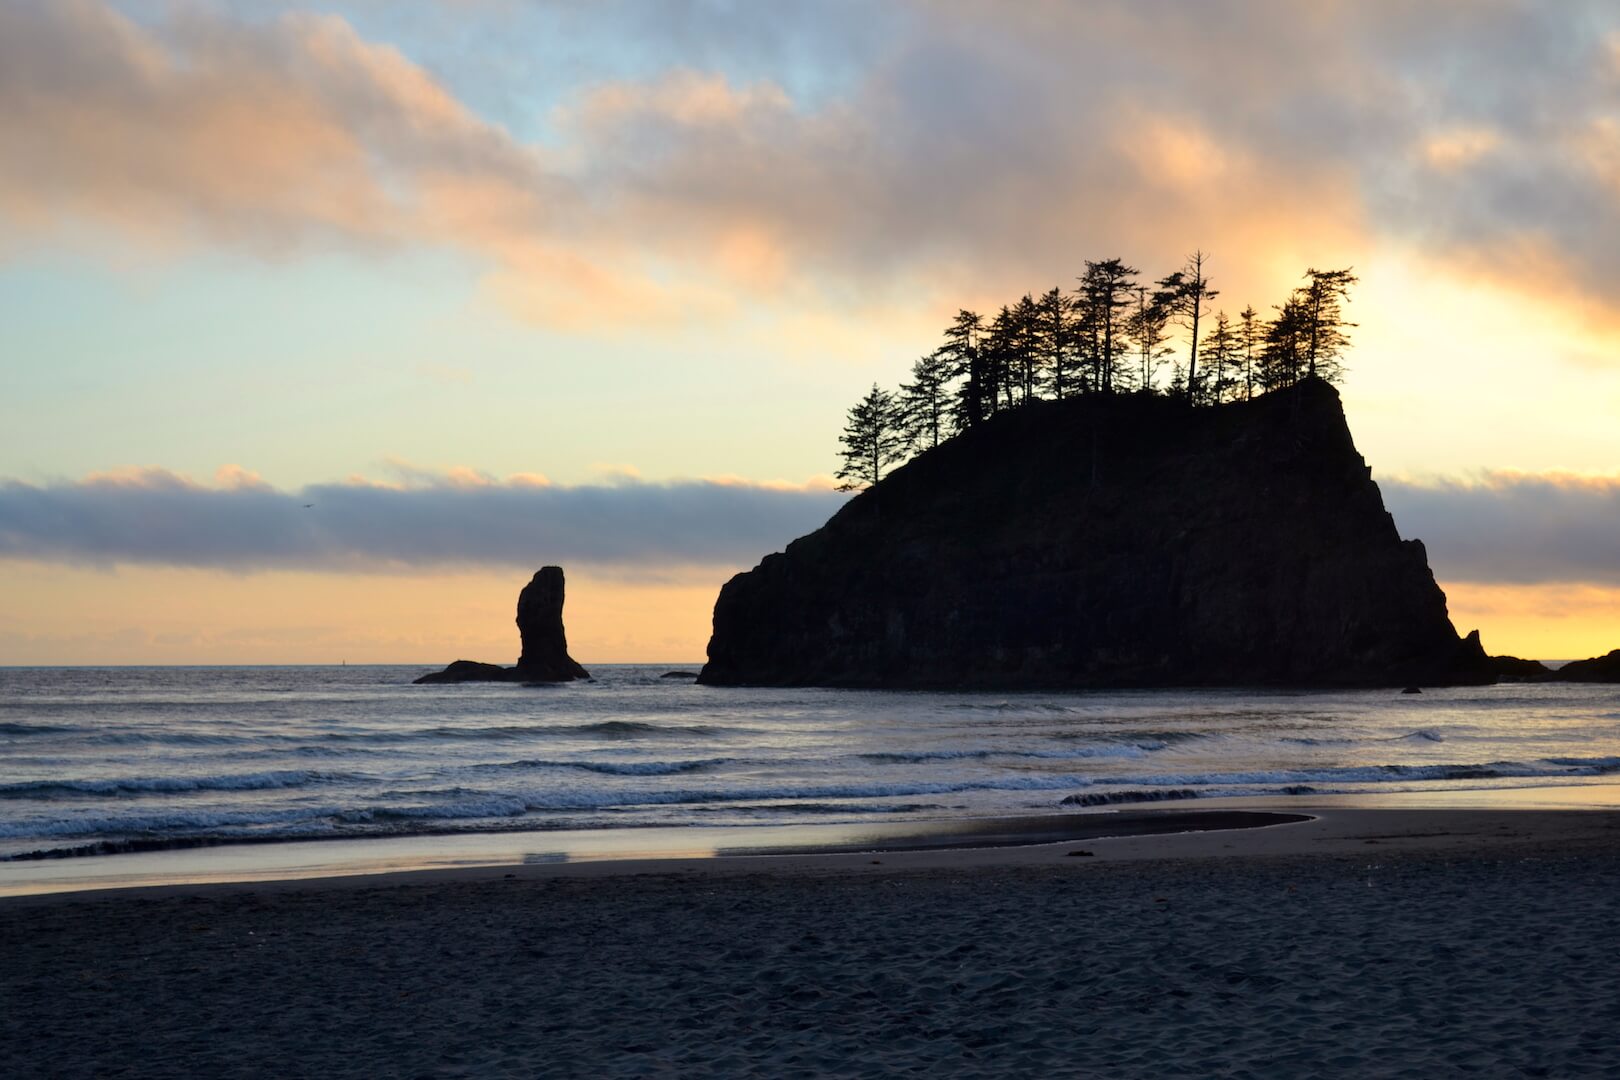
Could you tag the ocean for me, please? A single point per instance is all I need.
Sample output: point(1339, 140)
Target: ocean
point(97, 761)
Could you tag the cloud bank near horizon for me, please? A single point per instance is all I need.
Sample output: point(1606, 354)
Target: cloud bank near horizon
point(1499, 528)
point(155, 517)
point(1511, 528)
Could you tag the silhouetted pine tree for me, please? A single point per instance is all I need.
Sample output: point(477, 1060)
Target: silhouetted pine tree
point(1222, 359)
point(925, 401)
point(874, 438)
point(1107, 286)
point(1251, 337)
point(1083, 342)
point(1324, 324)
point(961, 352)
point(1026, 349)
point(1147, 326)
point(1186, 291)
point(999, 348)
point(1055, 333)
point(991, 362)
point(1283, 360)
point(1087, 340)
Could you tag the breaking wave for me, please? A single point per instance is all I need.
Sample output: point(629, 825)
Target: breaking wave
point(142, 785)
point(612, 768)
point(1118, 750)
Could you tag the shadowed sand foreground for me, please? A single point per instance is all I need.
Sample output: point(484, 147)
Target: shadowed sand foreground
point(1369, 943)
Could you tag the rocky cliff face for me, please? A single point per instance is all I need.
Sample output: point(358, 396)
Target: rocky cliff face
point(1130, 541)
point(545, 645)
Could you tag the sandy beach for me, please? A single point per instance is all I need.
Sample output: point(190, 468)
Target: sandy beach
point(1360, 943)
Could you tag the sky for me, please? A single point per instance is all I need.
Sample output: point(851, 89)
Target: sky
point(323, 325)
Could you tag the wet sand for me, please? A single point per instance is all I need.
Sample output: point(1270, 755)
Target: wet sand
point(1360, 943)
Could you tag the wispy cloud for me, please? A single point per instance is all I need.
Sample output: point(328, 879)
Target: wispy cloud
point(971, 146)
point(459, 518)
point(1514, 528)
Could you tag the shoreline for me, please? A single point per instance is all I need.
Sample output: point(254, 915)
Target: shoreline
point(1220, 828)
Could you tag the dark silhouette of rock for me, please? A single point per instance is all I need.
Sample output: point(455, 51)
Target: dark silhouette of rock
point(468, 671)
point(539, 617)
point(1107, 541)
point(1599, 669)
point(1513, 669)
point(1413, 690)
point(545, 646)
point(679, 675)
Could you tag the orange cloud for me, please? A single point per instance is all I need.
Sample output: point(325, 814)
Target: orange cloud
point(1175, 152)
point(1458, 148)
point(686, 97)
point(141, 477)
point(236, 478)
point(983, 151)
point(284, 135)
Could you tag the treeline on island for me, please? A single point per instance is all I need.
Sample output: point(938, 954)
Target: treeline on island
point(1112, 334)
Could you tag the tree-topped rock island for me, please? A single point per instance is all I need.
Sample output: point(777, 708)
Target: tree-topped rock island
point(545, 645)
point(1107, 540)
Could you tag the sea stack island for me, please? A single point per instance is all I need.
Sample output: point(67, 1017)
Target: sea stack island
point(544, 658)
point(1125, 540)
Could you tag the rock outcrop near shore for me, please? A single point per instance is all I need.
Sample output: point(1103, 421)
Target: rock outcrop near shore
point(545, 645)
point(1515, 669)
point(1125, 541)
point(1599, 669)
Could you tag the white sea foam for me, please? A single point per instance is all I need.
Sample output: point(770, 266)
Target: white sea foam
point(1375, 774)
point(170, 821)
point(142, 785)
point(913, 757)
point(612, 768)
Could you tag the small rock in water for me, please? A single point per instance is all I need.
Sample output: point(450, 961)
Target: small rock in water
point(1412, 690)
point(679, 675)
point(1082, 851)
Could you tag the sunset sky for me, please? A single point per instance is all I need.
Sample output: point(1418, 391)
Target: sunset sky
point(497, 284)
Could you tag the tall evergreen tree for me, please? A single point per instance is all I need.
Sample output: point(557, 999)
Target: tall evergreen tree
point(1087, 341)
point(1107, 286)
point(925, 401)
point(1187, 291)
point(1222, 358)
point(1147, 330)
point(1056, 339)
point(1324, 324)
point(997, 353)
point(1026, 349)
point(1283, 360)
point(1251, 336)
point(874, 438)
point(961, 352)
